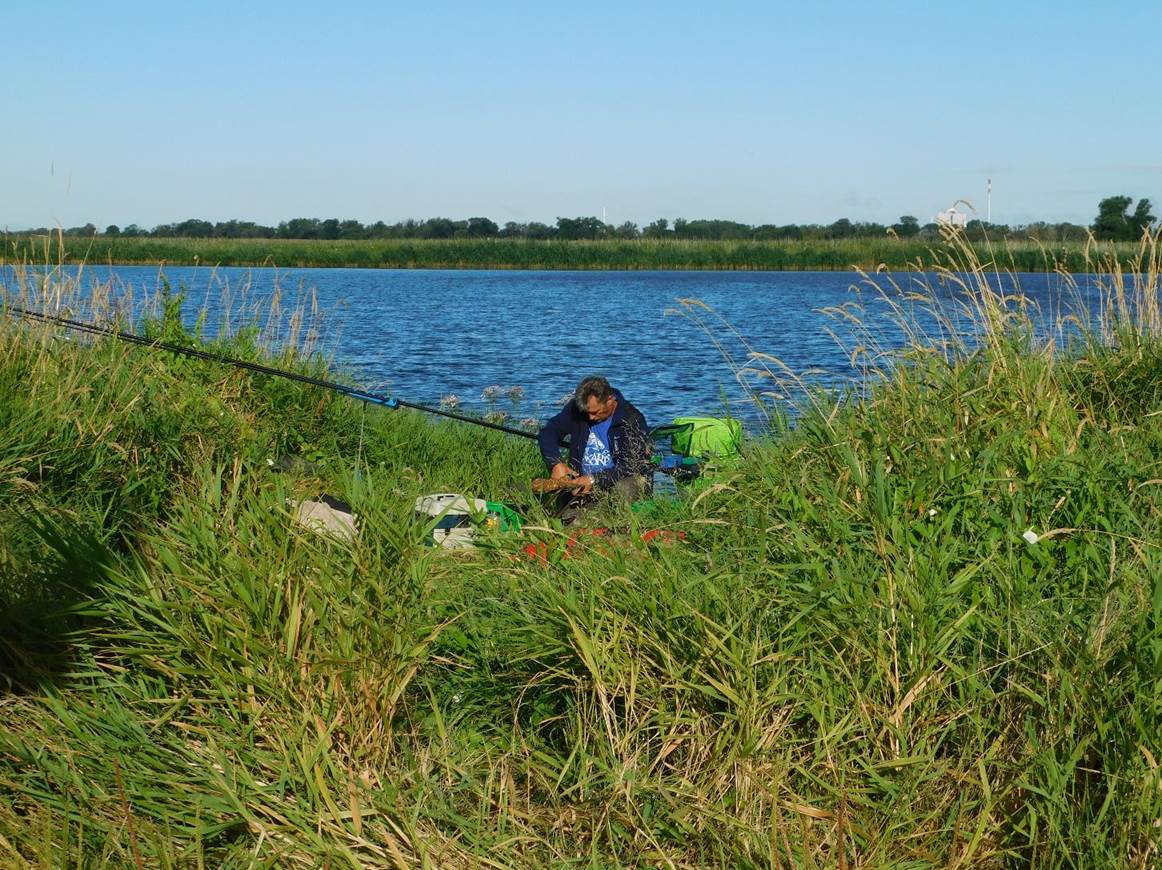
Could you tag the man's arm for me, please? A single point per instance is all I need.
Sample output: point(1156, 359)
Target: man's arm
point(551, 438)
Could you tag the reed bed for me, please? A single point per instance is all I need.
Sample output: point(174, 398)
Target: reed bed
point(660, 254)
point(920, 626)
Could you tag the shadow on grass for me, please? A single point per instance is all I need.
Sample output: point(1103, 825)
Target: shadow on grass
point(49, 571)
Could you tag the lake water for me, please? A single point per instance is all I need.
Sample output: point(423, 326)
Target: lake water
point(426, 335)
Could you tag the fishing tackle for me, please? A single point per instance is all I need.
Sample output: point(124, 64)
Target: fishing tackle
point(361, 395)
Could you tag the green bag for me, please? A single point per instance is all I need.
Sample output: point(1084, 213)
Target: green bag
point(707, 437)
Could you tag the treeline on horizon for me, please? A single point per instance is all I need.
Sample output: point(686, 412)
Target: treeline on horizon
point(1114, 222)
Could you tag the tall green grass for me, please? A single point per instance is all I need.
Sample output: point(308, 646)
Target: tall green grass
point(812, 255)
point(855, 659)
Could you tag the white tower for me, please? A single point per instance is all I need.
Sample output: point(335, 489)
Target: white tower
point(989, 203)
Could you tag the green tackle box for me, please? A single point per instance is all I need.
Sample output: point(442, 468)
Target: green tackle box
point(707, 437)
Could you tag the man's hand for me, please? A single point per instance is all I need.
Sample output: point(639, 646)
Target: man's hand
point(564, 478)
point(561, 470)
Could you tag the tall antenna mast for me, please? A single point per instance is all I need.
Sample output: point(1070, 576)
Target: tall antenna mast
point(989, 206)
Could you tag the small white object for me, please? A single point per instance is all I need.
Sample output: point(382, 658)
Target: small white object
point(931, 512)
point(453, 514)
point(1031, 536)
point(320, 517)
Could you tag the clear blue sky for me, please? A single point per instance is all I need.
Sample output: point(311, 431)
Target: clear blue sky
point(763, 112)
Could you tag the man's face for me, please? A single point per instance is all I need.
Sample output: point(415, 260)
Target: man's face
point(599, 410)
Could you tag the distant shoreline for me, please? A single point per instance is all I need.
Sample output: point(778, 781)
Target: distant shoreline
point(603, 255)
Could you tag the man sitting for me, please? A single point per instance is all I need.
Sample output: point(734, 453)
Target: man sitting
point(609, 446)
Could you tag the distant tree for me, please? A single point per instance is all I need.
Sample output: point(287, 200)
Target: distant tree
point(628, 230)
point(299, 228)
point(512, 230)
point(400, 230)
point(538, 231)
point(112, 230)
point(133, 231)
point(712, 229)
point(482, 227)
point(236, 229)
point(842, 229)
point(194, 229)
point(977, 230)
point(438, 228)
point(1141, 220)
point(1045, 232)
point(251, 230)
point(907, 227)
point(1115, 223)
point(352, 229)
point(658, 229)
point(1112, 222)
point(580, 228)
point(771, 231)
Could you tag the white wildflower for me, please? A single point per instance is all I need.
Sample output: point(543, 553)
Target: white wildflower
point(1031, 536)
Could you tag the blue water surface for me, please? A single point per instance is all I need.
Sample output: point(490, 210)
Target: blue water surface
point(427, 335)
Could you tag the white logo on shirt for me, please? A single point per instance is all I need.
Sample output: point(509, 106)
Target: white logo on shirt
point(597, 456)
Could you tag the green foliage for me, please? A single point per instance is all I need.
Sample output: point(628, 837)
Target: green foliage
point(658, 249)
point(1115, 222)
point(907, 227)
point(566, 229)
point(855, 658)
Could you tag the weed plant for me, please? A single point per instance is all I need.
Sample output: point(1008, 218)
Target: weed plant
point(666, 254)
point(920, 627)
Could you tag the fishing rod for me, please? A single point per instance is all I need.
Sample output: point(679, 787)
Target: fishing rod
point(361, 395)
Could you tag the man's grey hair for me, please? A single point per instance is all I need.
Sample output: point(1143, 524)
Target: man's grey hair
point(595, 386)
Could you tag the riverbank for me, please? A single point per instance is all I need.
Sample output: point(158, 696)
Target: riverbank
point(862, 253)
point(922, 628)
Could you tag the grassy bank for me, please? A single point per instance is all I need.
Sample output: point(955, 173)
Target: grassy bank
point(855, 659)
point(844, 254)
